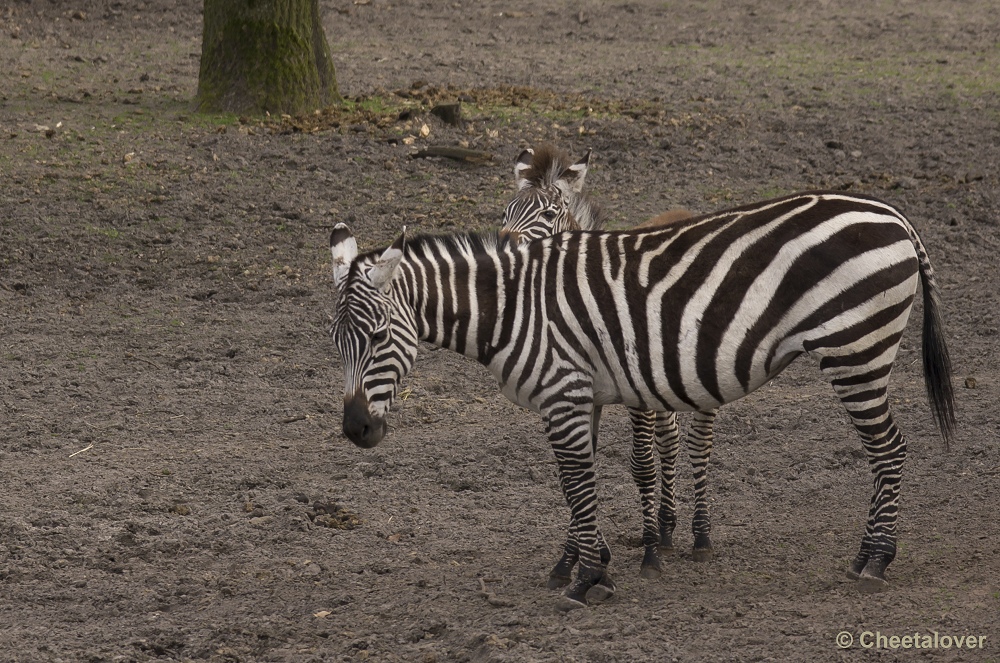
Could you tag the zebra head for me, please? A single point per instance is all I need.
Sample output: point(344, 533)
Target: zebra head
point(376, 340)
point(549, 198)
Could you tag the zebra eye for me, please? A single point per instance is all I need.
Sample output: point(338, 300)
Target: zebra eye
point(549, 215)
point(380, 335)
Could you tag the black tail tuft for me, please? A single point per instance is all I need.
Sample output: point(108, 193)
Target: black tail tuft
point(937, 363)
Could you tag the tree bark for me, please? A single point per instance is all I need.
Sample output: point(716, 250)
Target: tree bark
point(264, 55)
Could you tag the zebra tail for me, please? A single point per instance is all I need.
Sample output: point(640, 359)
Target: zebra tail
point(937, 361)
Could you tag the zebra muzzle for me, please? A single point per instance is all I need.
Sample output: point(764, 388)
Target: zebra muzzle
point(360, 426)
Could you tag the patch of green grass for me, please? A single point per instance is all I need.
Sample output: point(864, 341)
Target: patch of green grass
point(374, 104)
point(110, 233)
point(767, 192)
point(209, 120)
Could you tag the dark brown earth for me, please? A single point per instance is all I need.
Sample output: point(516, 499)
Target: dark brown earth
point(175, 483)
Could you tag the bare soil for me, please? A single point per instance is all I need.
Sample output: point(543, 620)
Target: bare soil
point(175, 483)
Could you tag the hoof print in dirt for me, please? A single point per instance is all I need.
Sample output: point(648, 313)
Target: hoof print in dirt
point(871, 585)
point(332, 515)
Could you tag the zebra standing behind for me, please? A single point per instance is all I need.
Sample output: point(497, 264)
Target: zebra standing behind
point(683, 318)
point(549, 200)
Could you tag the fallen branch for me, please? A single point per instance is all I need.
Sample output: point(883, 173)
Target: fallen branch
point(457, 153)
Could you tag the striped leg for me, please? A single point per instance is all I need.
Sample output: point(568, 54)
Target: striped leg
point(867, 404)
point(699, 444)
point(569, 431)
point(562, 573)
point(667, 445)
point(644, 474)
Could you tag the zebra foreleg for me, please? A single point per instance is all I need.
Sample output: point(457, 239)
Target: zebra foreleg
point(562, 573)
point(667, 445)
point(569, 430)
point(644, 474)
point(699, 444)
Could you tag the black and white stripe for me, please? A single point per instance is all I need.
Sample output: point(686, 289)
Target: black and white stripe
point(549, 200)
point(685, 318)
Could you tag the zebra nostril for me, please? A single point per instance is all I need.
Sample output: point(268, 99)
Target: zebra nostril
point(360, 427)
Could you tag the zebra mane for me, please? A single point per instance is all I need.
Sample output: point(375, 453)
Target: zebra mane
point(467, 242)
point(549, 162)
point(588, 214)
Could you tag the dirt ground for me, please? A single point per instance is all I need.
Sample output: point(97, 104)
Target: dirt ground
point(175, 483)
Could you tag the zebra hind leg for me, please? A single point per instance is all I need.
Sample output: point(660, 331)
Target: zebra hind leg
point(644, 474)
point(885, 446)
point(699, 444)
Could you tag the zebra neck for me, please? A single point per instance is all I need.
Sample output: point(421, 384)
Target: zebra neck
point(588, 214)
point(452, 286)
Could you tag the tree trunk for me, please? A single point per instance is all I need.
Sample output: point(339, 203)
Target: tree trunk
point(264, 55)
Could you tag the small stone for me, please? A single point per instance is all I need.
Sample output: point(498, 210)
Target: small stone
point(970, 383)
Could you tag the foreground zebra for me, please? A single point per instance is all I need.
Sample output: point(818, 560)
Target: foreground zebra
point(549, 200)
point(684, 318)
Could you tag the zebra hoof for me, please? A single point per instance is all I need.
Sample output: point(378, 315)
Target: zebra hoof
point(602, 591)
point(561, 573)
point(558, 582)
point(702, 554)
point(872, 580)
point(575, 596)
point(871, 584)
point(665, 550)
point(567, 603)
point(650, 568)
point(857, 566)
point(650, 572)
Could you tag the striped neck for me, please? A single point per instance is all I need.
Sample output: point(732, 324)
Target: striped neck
point(455, 286)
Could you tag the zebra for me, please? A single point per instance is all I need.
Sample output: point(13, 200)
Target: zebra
point(549, 200)
point(683, 318)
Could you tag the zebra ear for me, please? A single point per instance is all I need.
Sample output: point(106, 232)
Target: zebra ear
point(521, 166)
point(572, 178)
point(384, 270)
point(344, 249)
